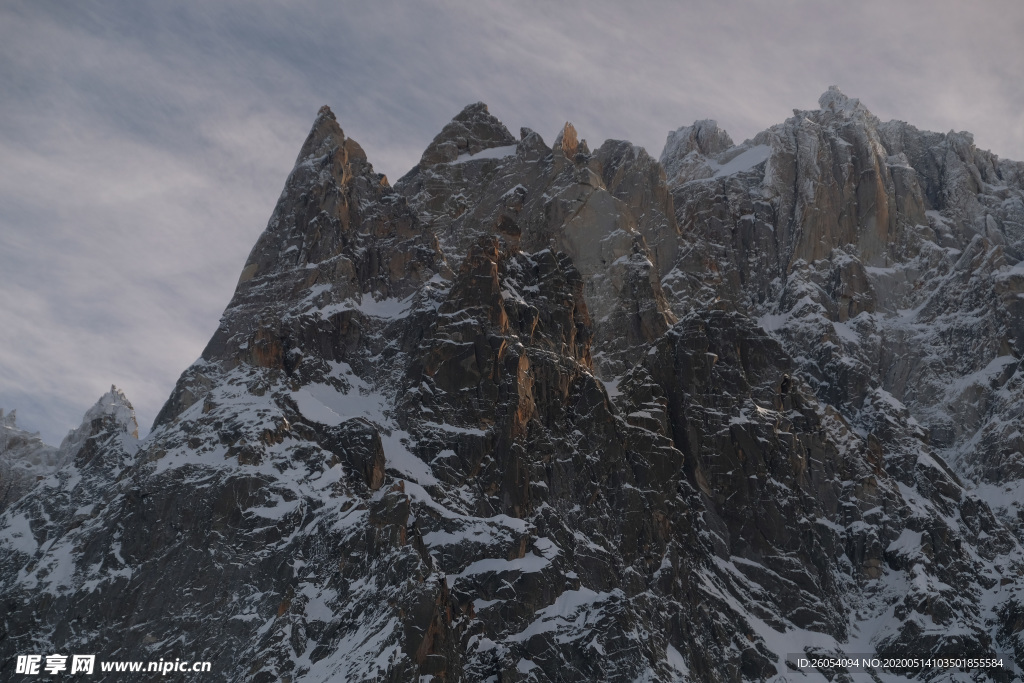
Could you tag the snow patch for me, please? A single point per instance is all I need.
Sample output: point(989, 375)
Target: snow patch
point(492, 153)
point(743, 161)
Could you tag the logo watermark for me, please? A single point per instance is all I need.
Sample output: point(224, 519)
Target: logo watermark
point(34, 665)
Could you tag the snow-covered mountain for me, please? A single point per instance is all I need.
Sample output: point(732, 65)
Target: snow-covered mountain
point(542, 413)
point(23, 458)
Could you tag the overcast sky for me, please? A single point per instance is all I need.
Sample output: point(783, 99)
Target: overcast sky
point(143, 144)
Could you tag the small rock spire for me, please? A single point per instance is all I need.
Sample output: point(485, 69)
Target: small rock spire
point(567, 141)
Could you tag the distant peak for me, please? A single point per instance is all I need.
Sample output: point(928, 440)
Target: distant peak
point(114, 404)
point(112, 416)
point(835, 101)
point(703, 137)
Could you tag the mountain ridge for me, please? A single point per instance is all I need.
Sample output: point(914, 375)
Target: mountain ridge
point(542, 413)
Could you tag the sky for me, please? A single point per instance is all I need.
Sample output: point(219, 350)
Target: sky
point(143, 145)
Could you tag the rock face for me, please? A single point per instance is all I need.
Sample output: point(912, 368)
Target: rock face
point(25, 459)
point(598, 209)
point(540, 413)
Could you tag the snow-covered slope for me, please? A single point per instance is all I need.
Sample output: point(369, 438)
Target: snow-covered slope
point(541, 413)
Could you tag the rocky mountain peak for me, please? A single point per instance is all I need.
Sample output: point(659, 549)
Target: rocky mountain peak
point(23, 458)
point(541, 414)
point(324, 136)
point(325, 112)
point(566, 141)
point(339, 242)
point(330, 184)
point(116, 410)
point(111, 417)
point(687, 149)
point(106, 429)
point(9, 429)
point(834, 101)
point(471, 131)
point(474, 113)
point(702, 136)
point(12, 438)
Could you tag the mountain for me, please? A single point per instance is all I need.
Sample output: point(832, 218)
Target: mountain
point(23, 458)
point(543, 413)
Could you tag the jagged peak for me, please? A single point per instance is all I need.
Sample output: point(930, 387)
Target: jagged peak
point(325, 112)
point(960, 138)
point(567, 141)
point(329, 164)
point(472, 111)
point(836, 101)
point(115, 405)
point(324, 136)
point(531, 144)
point(112, 415)
point(703, 139)
point(529, 133)
point(9, 422)
point(703, 136)
point(9, 427)
point(471, 131)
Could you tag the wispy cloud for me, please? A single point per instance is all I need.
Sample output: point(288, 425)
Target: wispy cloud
point(144, 144)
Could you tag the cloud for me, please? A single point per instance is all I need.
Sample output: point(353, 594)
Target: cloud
point(145, 144)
